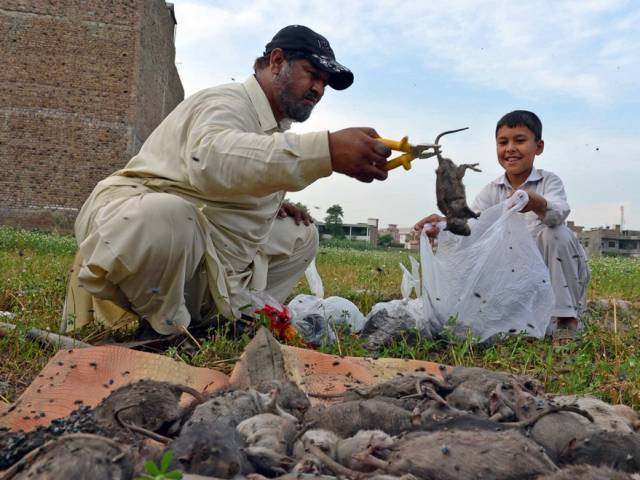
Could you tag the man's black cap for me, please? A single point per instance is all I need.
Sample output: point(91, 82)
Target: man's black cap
point(316, 49)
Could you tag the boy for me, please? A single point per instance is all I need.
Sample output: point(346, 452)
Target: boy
point(518, 142)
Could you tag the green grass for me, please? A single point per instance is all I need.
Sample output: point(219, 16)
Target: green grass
point(604, 361)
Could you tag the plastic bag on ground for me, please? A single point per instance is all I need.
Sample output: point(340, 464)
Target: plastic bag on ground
point(336, 311)
point(389, 321)
point(493, 281)
point(316, 318)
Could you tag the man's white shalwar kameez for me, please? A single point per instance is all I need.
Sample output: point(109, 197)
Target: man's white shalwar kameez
point(193, 215)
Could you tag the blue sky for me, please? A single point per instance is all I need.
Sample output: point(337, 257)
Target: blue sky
point(427, 66)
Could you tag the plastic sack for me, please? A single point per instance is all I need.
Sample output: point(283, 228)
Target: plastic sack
point(389, 321)
point(492, 282)
point(316, 317)
point(336, 310)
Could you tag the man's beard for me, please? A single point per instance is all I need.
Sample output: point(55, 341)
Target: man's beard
point(294, 108)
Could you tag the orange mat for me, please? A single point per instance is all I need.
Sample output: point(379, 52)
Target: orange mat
point(73, 378)
point(86, 376)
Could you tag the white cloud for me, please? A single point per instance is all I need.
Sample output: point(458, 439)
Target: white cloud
point(586, 50)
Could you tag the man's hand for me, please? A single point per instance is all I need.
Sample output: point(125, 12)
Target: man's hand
point(356, 152)
point(434, 230)
point(298, 214)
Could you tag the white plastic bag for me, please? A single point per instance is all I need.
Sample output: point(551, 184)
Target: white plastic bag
point(410, 280)
point(336, 310)
point(314, 280)
point(250, 302)
point(316, 317)
point(493, 281)
point(389, 321)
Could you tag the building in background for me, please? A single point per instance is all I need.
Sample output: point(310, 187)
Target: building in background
point(410, 238)
point(393, 230)
point(596, 241)
point(610, 241)
point(367, 232)
point(82, 85)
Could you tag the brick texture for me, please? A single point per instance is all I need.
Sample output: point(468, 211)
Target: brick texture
point(82, 85)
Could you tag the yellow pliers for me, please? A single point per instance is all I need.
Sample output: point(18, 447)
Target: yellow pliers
point(411, 152)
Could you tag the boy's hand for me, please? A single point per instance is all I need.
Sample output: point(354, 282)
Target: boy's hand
point(537, 204)
point(433, 219)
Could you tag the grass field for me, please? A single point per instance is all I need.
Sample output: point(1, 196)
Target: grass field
point(604, 361)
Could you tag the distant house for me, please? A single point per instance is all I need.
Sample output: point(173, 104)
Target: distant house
point(596, 241)
point(354, 231)
point(610, 241)
point(410, 238)
point(369, 232)
point(393, 230)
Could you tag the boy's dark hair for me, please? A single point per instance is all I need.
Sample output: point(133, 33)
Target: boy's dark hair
point(289, 56)
point(523, 118)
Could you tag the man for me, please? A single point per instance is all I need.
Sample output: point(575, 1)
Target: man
point(197, 216)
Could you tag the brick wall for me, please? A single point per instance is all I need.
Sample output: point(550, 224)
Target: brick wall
point(157, 91)
point(81, 86)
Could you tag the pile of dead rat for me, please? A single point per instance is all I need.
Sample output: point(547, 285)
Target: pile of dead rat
point(469, 423)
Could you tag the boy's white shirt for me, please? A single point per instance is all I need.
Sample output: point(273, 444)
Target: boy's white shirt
point(542, 182)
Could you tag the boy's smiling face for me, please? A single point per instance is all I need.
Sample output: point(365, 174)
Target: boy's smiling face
point(517, 147)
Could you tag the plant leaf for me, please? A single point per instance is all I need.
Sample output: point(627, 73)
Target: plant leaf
point(174, 475)
point(165, 463)
point(151, 468)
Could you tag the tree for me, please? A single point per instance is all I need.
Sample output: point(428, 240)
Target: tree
point(385, 240)
point(333, 221)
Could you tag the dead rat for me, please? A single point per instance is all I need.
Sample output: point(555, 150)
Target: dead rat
point(372, 441)
point(269, 439)
point(348, 418)
point(455, 454)
point(587, 472)
point(234, 406)
point(78, 455)
point(450, 191)
point(617, 450)
point(473, 389)
point(214, 448)
point(289, 396)
point(209, 443)
point(324, 439)
point(146, 406)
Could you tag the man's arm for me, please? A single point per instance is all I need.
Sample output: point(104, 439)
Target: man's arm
point(224, 157)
